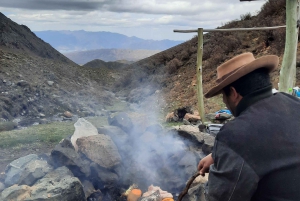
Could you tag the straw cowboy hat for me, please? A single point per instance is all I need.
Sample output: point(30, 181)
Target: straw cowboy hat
point(239, 66)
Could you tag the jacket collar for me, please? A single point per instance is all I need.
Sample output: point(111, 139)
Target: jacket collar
point(252, 98)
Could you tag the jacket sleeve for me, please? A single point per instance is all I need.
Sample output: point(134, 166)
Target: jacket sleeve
point(230, 177)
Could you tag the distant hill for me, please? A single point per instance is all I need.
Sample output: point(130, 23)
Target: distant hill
point(97, 63)
point(70, 41)
point(82, 57)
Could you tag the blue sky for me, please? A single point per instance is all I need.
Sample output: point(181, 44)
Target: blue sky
point(148, 19)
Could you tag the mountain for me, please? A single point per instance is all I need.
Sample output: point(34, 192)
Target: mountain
point(20, 38)
point(82, 57)
point(97, 63)
point(38, 83)
point(70, 41)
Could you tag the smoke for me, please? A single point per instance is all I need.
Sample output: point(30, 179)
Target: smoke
point(153, 154)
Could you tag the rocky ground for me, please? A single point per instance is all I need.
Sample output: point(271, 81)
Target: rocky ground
point(133, 150)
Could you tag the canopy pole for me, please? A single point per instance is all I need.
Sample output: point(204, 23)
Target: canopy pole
point(199, 75)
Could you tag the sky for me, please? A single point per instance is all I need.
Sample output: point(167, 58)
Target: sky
point(147, 19)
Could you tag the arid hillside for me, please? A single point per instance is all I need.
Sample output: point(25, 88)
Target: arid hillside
point(38, 82)
point(172, 75)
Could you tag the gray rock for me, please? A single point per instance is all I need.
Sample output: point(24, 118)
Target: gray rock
point(64, 154)
point(14, 192)
point(33, 171)
point(208, 145)
point(15, 168)
point(118, 136)
point(195, 193)
point(99, 149)
point(50, 83)
point(106, 177)
point(88, 188)
point(2, 186)
point(188, 163)
point(223, 116)
point(57, 185)
point(190, 132)
point(121, 120)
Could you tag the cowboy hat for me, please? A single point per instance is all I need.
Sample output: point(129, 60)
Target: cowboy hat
point(239, 66)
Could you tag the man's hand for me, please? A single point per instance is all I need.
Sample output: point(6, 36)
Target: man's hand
point(204, 164)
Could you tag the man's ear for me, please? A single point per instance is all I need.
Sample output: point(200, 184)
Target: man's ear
point(235, 96)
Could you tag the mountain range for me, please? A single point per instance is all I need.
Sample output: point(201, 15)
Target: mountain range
point(83, 57)
point(70, 41)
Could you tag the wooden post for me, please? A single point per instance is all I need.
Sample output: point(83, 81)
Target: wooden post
point(199, 76)
point(288, 69)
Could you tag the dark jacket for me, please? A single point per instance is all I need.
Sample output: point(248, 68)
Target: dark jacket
point(257, 155)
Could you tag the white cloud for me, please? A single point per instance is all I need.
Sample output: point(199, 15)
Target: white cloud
point(154, 19)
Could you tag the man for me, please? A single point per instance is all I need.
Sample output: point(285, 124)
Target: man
point(256, 156)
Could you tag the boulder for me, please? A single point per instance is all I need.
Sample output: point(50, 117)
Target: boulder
point(190, 132)
point(105, 176)
point(100, 149)
point(121, 120)
point(16, 167)
point(33, 171)
point(57, 185)
point(88, 188)
point(188, 164)
point(208, 144)
point(195, 193)
point(223, 116)
point(171, 117)
point(64, 154)
point(2, 186)
point(83, 128)
point(17, 193)
point(118, 136)
point(192, 117)
point(68, 114)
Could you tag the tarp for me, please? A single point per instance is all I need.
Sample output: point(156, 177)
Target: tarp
point(223, 111)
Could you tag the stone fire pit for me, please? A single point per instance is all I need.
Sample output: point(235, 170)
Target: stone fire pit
point(125, 152)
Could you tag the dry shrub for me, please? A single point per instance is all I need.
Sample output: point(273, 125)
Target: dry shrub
point(272, 7)
point(246, 16)
point(231, 43)
point(173, 66)
point(184, 55)
point(124, 81)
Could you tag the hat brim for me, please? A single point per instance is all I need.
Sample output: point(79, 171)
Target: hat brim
point(269, 62)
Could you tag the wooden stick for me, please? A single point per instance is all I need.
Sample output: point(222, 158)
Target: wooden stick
point(189, 183)
point(232, 29)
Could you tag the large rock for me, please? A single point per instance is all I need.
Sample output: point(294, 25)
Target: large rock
point(33, 171)
point(57, 185)
point(191, 133)
point(195, 193)
point(16, 167)
point(64, 154)
point(115, 133)
point(106, 177)
point(192, 118)
point(88, 188)
point(208, 145)
point(121, 120)
point(2, 186)
point(100, 149)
